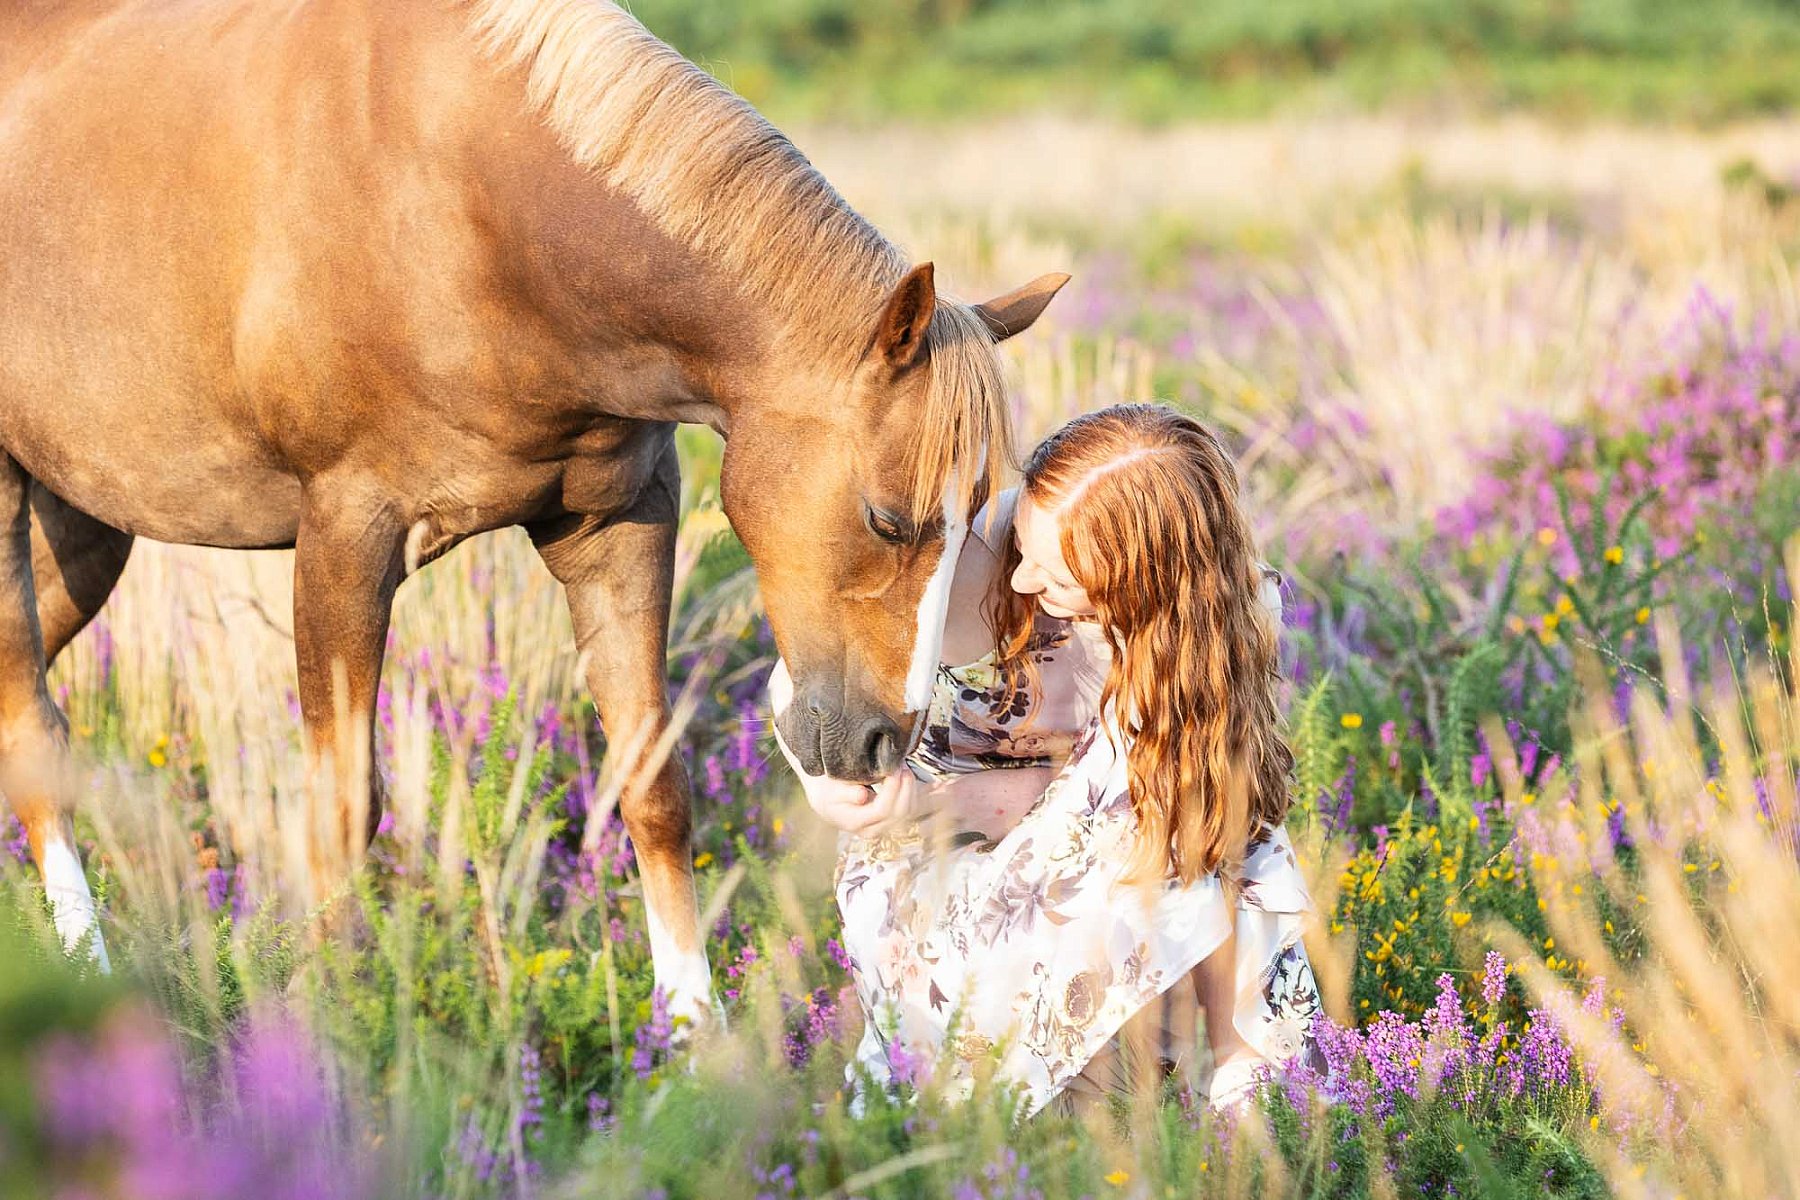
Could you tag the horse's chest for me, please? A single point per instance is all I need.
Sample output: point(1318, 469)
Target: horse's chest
point(602, 484)
point(606, 473)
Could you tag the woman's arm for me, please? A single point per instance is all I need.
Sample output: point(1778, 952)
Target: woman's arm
point(991, 800)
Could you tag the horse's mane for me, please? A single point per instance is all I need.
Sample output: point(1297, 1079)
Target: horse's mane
point(714, 174)
point(700, 161)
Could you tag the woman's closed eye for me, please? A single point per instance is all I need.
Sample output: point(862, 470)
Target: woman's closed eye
point(1048, 576)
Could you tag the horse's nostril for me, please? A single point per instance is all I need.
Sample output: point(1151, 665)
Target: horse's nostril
point(881, 746)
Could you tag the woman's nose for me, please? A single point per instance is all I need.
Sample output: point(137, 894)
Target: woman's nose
point(1023, 583)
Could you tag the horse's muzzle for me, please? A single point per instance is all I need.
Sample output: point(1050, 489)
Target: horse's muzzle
point(859, 747)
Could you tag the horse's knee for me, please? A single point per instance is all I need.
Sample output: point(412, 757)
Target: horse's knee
point(658, 818)
point(33, 737)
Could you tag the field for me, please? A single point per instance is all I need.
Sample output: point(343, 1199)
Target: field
point(1161, 60)
point(1518, 413)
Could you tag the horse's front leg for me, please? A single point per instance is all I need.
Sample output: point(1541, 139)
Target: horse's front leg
point(347, 562)
point(619, 574)
point(33, 737)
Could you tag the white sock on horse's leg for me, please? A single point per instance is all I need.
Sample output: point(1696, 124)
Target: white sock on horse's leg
point(683, 975)
point(72, 905)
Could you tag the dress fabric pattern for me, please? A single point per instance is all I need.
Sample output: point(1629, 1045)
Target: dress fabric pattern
point(1013, 933)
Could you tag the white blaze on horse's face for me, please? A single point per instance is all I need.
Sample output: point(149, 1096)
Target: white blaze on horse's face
point(934, 605)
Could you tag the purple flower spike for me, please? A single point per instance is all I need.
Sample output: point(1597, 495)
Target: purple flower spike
point(1493, 978)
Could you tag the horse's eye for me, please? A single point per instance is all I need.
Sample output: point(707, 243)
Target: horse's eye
point(884, 526)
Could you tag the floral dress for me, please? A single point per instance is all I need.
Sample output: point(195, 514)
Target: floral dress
point(1012, 934)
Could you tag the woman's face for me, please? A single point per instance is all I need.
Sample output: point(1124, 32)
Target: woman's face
point(1042, 572)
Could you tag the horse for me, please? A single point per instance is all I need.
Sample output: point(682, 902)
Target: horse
point(366, 278)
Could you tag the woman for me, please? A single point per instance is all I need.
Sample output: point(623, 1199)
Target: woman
point(1111, 647)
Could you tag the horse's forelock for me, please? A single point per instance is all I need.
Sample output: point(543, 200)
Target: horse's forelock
point(965, 430)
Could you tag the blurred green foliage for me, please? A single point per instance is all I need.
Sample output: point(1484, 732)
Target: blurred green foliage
point(1161, 59)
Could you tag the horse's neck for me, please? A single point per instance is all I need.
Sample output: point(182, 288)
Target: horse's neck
point(630, 295)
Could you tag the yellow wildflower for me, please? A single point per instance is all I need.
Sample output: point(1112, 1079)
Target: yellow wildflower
point(1459, 919)
point(1643, 614)
point(1546, 536)
point(545, 960)
point(1351, 720)
point(1615, 555)
point(703, 860)
point(1118, 1178)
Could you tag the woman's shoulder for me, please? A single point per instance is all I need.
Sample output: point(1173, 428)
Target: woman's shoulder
point(993, 524)
point(967, 635)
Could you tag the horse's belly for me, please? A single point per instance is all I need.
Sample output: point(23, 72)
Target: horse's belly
point(157, 479)
point(238, 510)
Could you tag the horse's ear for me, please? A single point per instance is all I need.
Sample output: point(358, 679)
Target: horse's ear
point(900, 337)
point(1015, 311)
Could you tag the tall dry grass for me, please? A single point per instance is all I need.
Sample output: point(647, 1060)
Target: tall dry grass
point(1696, 1057)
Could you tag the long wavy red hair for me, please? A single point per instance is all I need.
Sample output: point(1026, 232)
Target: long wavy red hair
point(1147, 504)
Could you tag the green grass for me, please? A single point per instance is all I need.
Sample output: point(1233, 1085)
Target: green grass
point(1160, 60)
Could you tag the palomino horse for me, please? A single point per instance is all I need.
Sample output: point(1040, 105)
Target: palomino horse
point(367, 277)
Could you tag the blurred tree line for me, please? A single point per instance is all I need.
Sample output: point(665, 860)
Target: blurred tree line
point(1155, 58)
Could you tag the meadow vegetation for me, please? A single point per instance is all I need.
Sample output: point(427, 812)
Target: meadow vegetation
point(1530, 463)
point(1163, 59)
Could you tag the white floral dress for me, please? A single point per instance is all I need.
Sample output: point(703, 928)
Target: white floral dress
point(1013, 934)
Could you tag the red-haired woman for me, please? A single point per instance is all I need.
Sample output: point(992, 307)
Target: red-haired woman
point(1111, 644)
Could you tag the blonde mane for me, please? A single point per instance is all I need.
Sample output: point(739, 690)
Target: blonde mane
point(714, 174)
point(966, 402)
point(703, 164)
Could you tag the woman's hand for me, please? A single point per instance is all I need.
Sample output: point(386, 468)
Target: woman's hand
point(861, 809)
